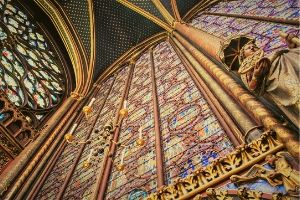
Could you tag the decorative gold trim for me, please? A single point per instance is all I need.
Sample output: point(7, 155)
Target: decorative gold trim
point(78, 60)
point(170, 19)
point(133, 52)
point(93, 42)
point(243, 193)
point(76, 96)
point(146, 14)
point(221, 169)
point(175, 10)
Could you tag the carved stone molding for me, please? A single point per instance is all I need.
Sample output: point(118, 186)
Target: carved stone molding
point(244, 194)
point(221, 169)
point(15, 131)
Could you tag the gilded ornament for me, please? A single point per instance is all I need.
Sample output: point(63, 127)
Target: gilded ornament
point(140, 142)
point(281, 174)
point(243, 193)
point(243, 157)
point(69, 137)
point(86, 164)
point(120, 167)
point(123, 112)
point(87, 110)
point(76, 96)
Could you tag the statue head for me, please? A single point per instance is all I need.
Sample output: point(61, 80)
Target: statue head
point(248, 50)
point(271, 159)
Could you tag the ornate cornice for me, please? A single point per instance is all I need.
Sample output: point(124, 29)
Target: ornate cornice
point(93, 41)
point(243, 194)
point(73, 45)
point(221, 169)
point(149, 16)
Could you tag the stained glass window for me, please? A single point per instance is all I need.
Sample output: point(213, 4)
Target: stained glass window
point(140, 171)
point(190, 133)
point(31, 73)
point(263, 32)
point(66, 160)
point(192, 136)
point(273, 8)
point(83, 181)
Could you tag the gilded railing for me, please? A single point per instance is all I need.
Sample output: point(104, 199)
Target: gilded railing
point(243, 194)
point(221, 169)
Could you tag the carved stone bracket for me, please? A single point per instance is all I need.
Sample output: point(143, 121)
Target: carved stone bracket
point(222, 168)
point(15, 130)
point(244, 194)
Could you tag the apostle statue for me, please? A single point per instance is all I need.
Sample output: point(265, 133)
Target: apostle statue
point(276, 76)
point(281, 173)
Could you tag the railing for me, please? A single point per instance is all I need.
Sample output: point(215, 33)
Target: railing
point(221, 169)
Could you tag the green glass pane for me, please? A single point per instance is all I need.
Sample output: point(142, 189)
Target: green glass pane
point(32, 55)
point(12, 29)
point(41, 45)
point(21, 49)
point(6, 64)
point(54, 98)
point(32, 36)
point(13, 22)
point(40, 37)
point(33, 43)
point(46, 56)
point(31, 62)
point(44, 75)
point(3, 35)
point(55, 68)
point(25, 37)
point(8, 12)
point(13, 97)
point(22, 14)
point(48, 85)
point(20, 18)
point(10, 7)
point(57, 86)
point(39, 116)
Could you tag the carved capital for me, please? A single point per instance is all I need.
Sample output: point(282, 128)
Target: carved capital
point(77, 96)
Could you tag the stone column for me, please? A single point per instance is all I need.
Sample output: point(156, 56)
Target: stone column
point(210, 45)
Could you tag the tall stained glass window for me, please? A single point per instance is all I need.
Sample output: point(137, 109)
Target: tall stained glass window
point(189, 131)
point(31, 72)
point(264, 32)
